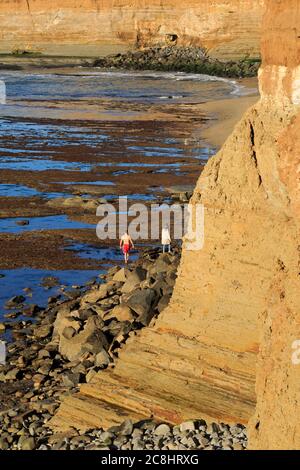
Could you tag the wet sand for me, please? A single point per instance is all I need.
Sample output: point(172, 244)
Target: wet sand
point(223, 115)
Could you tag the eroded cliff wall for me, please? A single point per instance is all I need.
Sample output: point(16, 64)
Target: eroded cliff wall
point(276, 421)
point(236, 301)
point(228, 28)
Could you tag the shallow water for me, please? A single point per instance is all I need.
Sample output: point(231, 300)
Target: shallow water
point(17, 190)
point(15, 280)
point(52, 222)
point(83, 84)
point(101, 253)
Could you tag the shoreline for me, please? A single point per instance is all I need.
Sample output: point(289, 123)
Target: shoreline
point(223, 115)
point(213, 123)
point(189, 59)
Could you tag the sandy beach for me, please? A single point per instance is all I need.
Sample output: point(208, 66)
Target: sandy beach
point(224, 115)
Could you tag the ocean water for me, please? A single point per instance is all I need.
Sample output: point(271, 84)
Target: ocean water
point(93, 122)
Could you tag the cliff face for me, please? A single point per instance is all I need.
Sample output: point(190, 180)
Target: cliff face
point(276, 421)
point(228, 28)
point(237, 300)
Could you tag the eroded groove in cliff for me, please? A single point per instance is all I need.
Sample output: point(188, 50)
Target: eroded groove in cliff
point(254, 155)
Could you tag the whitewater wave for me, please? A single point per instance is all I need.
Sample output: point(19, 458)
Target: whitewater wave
point(237, 88)
point(180, 76)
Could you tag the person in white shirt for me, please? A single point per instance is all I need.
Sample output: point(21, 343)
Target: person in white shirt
point(166, 239)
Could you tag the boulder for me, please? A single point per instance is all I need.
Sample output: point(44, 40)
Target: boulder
point(112, 271)
point(65, 319)
point(27, 443)
point(31, 310)
point(162, 430)
point(141, 300)
point(163, 303)
point(102, 359)
point(69, 332)
point(126, 428)
point(94, 295)
point(147, 283)
point(110, 302)
point(116, 328)
point(22, 222)
point(44, 354)
point(160, 287)
point(120, 275)
point(4, 444)
point(90, 339)
point(146, 318)
point(90, 375)
point(15, 301)
point(121, 312)
point(187, 426)
point(100, 310)
point(85, 313)
point(162, 265)
point(13, 374)
point(43, 331)
point(133, 279)
point(70, 379)
point(171, 278)
point(49, 281)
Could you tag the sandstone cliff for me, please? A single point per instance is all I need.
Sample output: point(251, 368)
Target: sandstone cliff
point(236, 300)
point(228, 28)
point(276, 421)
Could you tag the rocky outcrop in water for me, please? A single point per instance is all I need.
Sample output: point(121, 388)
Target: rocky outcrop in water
point(180, 59)
point(227, 29)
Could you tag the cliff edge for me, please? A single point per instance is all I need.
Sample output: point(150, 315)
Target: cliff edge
point(276, 421)
point(229, 29)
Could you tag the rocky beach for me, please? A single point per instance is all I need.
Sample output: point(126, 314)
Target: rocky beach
point(158, 105)
point(79, 333)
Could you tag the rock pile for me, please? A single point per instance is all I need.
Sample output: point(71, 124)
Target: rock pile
point(179, 59)
point(29, 431)
point(72, 339)
point(92, 326)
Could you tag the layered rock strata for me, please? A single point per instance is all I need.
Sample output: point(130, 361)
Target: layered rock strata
point(228, 28)
point(239, 295)
point(276, 421)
